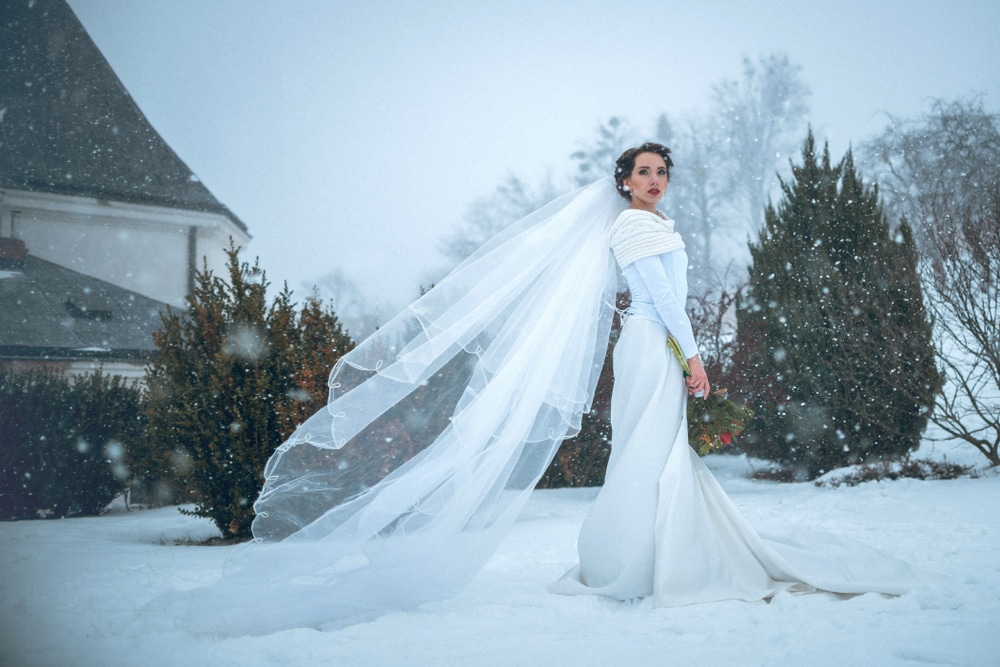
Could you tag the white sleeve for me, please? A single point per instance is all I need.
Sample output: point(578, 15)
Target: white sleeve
point(671, 311)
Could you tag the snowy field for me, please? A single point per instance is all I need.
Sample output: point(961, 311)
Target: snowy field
point(72, 590)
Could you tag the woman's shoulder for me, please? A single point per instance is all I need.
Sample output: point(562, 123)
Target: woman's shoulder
point(637, 234)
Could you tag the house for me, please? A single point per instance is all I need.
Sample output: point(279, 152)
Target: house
point(99, 219)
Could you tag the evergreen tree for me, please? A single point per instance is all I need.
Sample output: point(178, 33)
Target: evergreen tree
point(232, 379)
point(834, 344)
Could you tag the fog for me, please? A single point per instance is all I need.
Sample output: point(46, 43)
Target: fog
point(352, 136)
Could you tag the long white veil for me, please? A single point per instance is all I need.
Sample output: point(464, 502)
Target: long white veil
point(438, 427)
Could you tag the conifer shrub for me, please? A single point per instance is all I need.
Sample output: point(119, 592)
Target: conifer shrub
point(583, 459)
point(63, 443)
point(834, 350)
point(231, 380)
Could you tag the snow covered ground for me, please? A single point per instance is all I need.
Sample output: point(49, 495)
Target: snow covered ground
point(71, 591)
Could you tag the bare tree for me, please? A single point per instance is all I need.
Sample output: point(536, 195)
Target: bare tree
point(763, 118)
point(360, 315)
point(713, 318)
point(948, 158)
point(512, 200)
point(963, 267)
point(698, 191)
point(942, 171)
point(728, 160)
point(598, 159)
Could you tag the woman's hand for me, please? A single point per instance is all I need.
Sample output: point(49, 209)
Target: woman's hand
point(697, 383)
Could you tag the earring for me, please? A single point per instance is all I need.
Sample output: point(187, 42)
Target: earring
point(626, 188)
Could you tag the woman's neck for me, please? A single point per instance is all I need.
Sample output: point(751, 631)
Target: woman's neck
point(641, 206)
point(652, 210)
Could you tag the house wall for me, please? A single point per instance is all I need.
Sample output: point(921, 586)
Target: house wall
point(145, 249)
point(130, 370)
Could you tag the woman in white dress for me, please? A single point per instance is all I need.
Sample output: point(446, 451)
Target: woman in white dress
point(486, 374)
point(661, 525)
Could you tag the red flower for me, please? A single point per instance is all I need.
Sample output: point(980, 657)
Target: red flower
point(726, 437)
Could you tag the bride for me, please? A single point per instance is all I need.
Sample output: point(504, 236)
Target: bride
point(661, 525)
point(440, 424)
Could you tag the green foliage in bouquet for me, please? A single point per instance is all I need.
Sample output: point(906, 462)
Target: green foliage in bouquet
point(714, 421)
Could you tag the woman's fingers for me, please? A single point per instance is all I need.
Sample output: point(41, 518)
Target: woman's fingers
point(698, 384)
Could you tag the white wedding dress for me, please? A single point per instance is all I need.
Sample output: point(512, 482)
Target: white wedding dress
point(662, 526)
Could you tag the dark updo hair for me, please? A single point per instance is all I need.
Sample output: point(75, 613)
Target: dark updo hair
point(626, 163)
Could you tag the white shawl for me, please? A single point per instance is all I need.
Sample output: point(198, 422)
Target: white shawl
point(637, 234)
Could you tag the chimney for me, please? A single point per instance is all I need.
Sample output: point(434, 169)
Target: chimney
point(12, 253)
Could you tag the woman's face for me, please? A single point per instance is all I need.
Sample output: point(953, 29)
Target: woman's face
point(648, 182)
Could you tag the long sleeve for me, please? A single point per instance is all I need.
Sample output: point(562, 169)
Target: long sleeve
point(661, 288)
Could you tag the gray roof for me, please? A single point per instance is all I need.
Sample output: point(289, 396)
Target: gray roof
point(67, 124)
point(49, 311)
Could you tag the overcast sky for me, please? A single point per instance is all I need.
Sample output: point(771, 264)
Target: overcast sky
point(354, 135)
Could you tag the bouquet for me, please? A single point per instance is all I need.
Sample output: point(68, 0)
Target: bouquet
point(714, 421)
